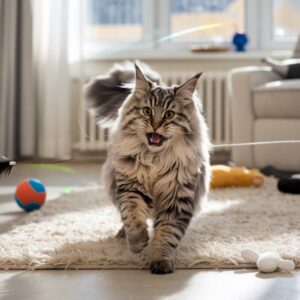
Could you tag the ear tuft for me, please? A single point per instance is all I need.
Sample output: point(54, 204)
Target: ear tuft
point(189, 86)
point(141, 83)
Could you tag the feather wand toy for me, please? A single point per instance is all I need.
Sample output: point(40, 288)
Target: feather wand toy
point(6, 166)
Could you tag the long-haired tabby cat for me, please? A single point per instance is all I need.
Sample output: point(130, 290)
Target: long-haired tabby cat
point(158, 161)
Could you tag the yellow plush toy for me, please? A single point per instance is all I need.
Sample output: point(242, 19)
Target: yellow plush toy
point(225, 176)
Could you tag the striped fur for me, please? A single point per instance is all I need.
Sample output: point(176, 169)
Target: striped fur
point(105, 94)
point(167, 182)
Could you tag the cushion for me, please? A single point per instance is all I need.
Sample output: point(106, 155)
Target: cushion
point(277, 99)
point(289, 68)
point(294, 71)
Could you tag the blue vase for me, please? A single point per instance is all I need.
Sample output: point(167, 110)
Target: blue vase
point(239, 41)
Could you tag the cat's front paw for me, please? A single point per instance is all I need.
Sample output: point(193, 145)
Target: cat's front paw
point(162, 267)
point(138, 241)
point(121, 234)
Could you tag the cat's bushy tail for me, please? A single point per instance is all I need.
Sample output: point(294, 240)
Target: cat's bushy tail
point(105, 94)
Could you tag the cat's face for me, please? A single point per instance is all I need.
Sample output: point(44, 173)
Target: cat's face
point(160, 116)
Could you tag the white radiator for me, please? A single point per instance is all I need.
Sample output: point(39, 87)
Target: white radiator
point(213, 92)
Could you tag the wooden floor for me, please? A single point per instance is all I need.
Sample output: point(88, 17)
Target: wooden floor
point(124, 284)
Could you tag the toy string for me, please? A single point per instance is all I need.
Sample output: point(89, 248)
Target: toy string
point(256, 143)
point(213, 146)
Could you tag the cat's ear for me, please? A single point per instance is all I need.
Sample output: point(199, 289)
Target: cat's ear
point(141, 83)
point(188, 88)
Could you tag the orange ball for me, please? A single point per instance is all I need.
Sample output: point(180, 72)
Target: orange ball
point(30, 194)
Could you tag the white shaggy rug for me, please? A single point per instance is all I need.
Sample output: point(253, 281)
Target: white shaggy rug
point(77, 231)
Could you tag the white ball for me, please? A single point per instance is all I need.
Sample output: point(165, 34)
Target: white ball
point(268, 262)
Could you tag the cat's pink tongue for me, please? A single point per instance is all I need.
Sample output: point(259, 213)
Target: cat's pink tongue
point(155, 138)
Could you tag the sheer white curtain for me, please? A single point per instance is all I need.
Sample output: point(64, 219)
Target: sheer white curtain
point(8, 75)
point(51, 78)
point(57, 47)
point(35, 76)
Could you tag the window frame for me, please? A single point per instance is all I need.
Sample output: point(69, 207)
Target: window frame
point(157, 25)
point(267, 39)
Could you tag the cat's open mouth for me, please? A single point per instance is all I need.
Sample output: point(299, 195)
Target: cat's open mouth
point(155, 138)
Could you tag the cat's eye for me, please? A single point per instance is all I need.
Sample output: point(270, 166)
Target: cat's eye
point(169, 114)
point(147, 111)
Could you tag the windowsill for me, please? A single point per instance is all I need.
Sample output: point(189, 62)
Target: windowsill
point(188, 55)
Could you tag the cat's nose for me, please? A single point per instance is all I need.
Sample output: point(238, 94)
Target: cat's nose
point(155, 123)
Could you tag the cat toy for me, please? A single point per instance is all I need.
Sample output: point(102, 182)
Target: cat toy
point(6, 166)
point(267, 262)
point(225, 176)
point(290, 185)
point(30, 194)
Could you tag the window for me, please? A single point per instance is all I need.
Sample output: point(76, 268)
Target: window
point(124, 25)
point(113, 26)
point(286, 19)
point(211, 20)
point(114, 20)
point(278, 24)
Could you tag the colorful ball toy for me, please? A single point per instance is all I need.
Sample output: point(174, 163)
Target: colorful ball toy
point(30, 194)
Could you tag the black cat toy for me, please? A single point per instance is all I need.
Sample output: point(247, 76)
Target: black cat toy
point(6, 166)
point(290, 185)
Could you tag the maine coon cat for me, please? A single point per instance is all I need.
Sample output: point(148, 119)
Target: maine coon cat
point(158, 161)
